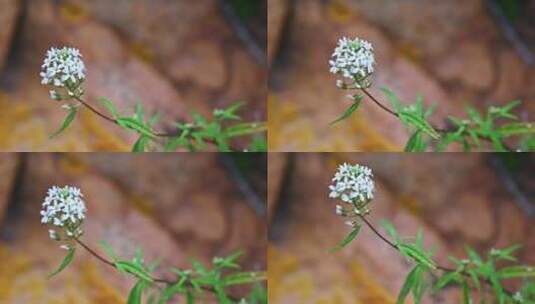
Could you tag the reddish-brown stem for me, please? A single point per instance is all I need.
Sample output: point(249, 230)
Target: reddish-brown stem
point(394, 246)
point(92, 252)
point(377, 102)
point(87, 105)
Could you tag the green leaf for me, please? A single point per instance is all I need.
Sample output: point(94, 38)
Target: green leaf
point(497, 286)
point(396, 104)
point(476, 259)
point(190, 298)
point(419, 123)
point(228, 113)
point(136, 293)
point(415, 143)
point(447, 278)
point(132, 124)
point(244, 278)
point(466, 293)
point(417, 255)
point(243, 129)
point(350, 237)
point(141, 144)
point(135, 269)
point(140, 112)
point(110, 106)
point(174, 289)
point(67, 122)
point(66, 261)
point(229, 261)
point(352, 108)
point(410, 282)
point(108, 249)
point(516, 128)
point(475, 278)
point(516, 272)
point(391, 230)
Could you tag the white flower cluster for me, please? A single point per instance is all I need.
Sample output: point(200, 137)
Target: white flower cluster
point(353, 59)
point(63, 68)
point(64, 207)
point(352, 184)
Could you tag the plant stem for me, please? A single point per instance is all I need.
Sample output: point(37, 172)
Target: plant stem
point(377, 102)
point(87, 105)
point(157, 280)
point(394, 246)
point(438, 129)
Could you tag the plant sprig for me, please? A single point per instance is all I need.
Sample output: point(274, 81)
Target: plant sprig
point(354, 60)
point(189, 283)
point(469, 274)
point(354, 187)
point(64, 71)
point(219, 130)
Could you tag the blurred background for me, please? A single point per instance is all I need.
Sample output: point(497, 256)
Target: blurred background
point(174, 56)
point(175, 207)
point(456, 52)
point(480, 200)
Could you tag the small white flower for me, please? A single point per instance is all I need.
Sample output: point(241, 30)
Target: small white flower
point(353, 59)
point(352, 184)
point(64, 207)
point(63, 68)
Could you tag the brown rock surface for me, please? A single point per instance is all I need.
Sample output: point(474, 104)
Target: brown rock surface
point(8, 171)
point(278, 13)
point(278, 163)
point(8, 20)
point(468, 205)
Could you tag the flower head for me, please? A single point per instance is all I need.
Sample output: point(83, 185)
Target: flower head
point(353, 184)
point(353, 59)
point(64, 70)
point(65, 209)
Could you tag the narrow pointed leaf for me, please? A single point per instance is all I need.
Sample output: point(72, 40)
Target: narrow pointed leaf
point(67, 122)
point(140, 144)
point(350, 237)
point(352, 108)
point(136, 293)
point(410, 281)
point(66, 261)
point(110, 106)
point(419, 123)
point(133, 124)
point(129, 267)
